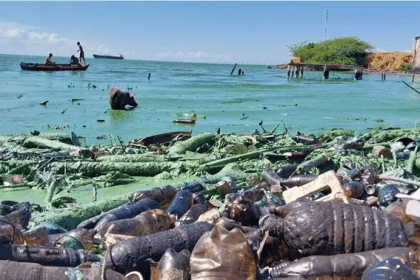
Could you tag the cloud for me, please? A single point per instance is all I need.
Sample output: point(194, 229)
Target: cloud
point(15, 34)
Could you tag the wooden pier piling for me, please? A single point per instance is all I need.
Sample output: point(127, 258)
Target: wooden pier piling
point(293, 69)
point(358, 74)
point(326, 73)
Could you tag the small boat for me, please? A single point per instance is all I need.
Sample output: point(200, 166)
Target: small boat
point(106, 56)
point(53, 67)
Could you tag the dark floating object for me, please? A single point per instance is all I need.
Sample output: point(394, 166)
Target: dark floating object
point(185, 121)
point(43, 102)
point(76, 99)
point(100, 120)
point(54, 67)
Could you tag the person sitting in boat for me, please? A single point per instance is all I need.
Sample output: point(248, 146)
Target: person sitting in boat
point(48, 60)
point(73, 60)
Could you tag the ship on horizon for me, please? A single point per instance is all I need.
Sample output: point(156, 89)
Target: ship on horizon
point(107, 56)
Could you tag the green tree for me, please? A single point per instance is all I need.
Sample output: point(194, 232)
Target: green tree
point(342, 50)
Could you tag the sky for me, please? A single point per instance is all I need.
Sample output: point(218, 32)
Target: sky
point(200, 31)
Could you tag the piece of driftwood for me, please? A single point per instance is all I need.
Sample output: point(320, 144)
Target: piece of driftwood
point(181, 147)
point(396, 179)
point(36, 142)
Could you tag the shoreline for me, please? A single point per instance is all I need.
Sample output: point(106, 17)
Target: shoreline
point(364, 69)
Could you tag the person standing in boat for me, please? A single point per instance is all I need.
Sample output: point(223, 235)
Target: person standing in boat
point(82, 54)
point(48, 60)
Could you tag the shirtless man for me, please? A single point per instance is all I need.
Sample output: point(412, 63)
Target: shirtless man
point(48, 60)
point(73, 60)
point(82, 54)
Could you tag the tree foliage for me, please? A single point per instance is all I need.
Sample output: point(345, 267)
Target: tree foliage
point(342, 50)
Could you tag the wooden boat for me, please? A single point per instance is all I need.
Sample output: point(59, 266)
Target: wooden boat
point(106, 56)
point(54, 67)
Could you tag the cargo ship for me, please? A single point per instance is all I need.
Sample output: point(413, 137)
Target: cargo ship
point(106, 56)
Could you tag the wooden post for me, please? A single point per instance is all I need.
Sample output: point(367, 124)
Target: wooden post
point(239, 72)
point(326, 73)
point(414, 58)
point(288, 71)
point(358, 74)
point(297, 72)
point(233, 68)
point(149, 76)
point(301, 72)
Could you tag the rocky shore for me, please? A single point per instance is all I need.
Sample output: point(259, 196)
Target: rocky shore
point(379, 62)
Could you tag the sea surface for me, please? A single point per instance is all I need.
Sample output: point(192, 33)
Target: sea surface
point(77, 101)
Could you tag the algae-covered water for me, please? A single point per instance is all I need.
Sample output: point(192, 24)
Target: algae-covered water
point(234, 103)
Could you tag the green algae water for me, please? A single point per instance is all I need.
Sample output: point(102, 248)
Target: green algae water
point(77, 101)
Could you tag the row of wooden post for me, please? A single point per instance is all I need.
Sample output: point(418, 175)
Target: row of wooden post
point(294, 71)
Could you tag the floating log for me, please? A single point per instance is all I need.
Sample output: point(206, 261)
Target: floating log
point(187, 121)
point(192, 144)
point(39, 142)
point(92, 169)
